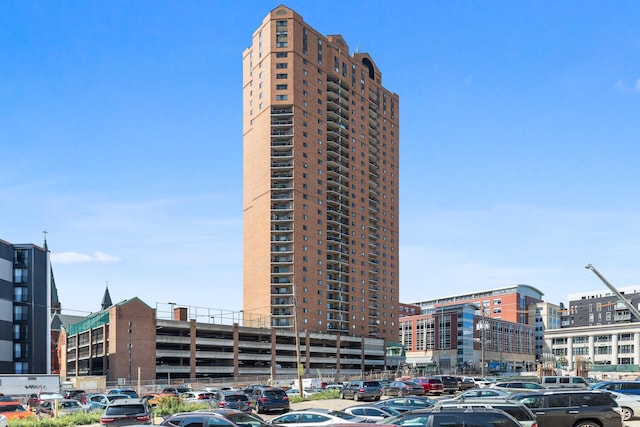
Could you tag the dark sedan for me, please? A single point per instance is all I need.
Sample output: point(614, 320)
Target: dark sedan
point(403, 388)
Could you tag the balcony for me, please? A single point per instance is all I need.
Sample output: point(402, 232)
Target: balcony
point(281, 164)
point(281, 111)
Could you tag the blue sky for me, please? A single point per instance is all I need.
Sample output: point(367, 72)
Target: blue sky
point(121, 135)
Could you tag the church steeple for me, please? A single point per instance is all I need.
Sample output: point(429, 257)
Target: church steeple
point(55, 301)
point(106, 299)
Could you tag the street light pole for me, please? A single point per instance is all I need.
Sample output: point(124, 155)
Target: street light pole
point(297, 332)
point(482, 344)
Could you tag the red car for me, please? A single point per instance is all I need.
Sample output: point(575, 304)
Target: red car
point(430, 385)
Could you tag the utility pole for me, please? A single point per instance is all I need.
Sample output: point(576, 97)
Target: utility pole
point(130, 330)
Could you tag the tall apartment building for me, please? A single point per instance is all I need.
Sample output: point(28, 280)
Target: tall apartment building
point(321, 159)
point(26, 294)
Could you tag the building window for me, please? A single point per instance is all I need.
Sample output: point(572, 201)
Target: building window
point(281, 87)
point(282, 65)
point(282, 97)
point(281, 76)
point(20, 275)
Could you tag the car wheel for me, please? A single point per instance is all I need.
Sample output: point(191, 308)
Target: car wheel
point(341, 395)
point(627, 413)
point(587, 424)
point(401, 393)
point(356, 397)
point(376, 398)
point(258, 409)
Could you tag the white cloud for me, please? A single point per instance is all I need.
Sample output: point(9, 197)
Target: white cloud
point(77, 258)
point(624, 87)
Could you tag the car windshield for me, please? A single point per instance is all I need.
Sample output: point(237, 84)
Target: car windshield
point(236, 397)
point(12, 408)
point(342, 415)
point(125, 410)
point(275, 393)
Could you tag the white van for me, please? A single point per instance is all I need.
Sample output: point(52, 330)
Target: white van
point(564, 382)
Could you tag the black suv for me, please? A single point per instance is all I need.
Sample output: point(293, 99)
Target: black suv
point(360, 390)
point(265, 399)
point(573, 408)
point(476, 417)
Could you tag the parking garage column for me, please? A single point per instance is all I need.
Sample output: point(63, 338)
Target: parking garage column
point(636, 348)
point(614, 349)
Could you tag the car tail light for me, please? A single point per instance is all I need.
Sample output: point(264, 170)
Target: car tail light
point(262, 399)
point(361, 389)
point(106, 420)
point(534, 425)
point(144, 418)
point(223, 404)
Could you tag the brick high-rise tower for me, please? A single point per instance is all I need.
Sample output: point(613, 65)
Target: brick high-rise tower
point(321, 155)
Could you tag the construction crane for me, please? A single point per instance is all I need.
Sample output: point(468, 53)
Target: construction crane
point(621, 297)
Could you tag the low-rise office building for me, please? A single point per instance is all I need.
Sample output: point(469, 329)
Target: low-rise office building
point(450, 339)
point(617, 344)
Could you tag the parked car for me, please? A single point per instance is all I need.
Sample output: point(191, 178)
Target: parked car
point(152, 399)
point(267, 399)
point(233, 400)
point(128, 391)
point(466, 383)
point(101, 401)
point(482, 382)
point(125, 412)
point(519, 386)
point(407, 403)
point(315, 418)
point(476, 417)
point(480, 393)
point(79, 395)
point(564, 382)
point(573, 408)
point(629, 404)
point(431, 385)
point(197, 397)
point(219, 417)
point(624, 387)
point(175, 390)
point(372, 412)
point(65, 407)
point(15, 411)
point(36, 399)
point(516, 409)
point(361, 390)
point(449, 383)
point(403, 388)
